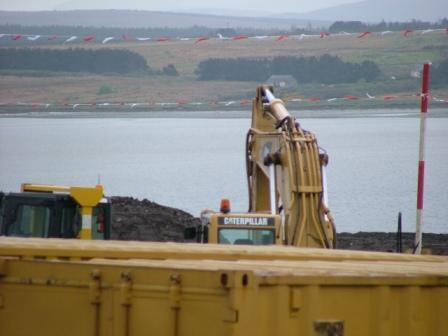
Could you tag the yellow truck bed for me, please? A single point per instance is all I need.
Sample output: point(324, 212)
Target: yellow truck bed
point(71, 287)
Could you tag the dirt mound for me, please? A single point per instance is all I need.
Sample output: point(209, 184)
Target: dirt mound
point(145, 220)
point(149, 221)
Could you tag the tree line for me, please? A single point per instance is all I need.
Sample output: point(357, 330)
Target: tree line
point(100, 61)
point(358, 26)
point(326, 69)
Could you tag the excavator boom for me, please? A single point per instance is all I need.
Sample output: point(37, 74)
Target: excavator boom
point(284, 170)
point(285, 180)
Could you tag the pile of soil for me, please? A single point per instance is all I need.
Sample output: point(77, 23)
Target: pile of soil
point(145, 220)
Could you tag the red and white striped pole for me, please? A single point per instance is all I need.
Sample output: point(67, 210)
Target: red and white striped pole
point(421, 162)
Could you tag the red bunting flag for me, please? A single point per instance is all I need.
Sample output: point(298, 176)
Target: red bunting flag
point(364, 34)
point(182, 102)
point(282, 37)
point(351, 97)
point(201, 39)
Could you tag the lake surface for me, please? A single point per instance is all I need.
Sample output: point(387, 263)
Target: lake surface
point(192, 163)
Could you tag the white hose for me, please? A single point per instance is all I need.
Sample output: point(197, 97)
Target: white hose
point(270, 97)
point(272, 188)
point(325, 192)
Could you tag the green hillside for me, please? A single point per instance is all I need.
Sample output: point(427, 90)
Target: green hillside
point(399, 59)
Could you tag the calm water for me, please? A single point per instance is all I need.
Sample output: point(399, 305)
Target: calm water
point(193, 163)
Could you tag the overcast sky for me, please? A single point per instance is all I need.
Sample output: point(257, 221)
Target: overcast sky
point(276, 6)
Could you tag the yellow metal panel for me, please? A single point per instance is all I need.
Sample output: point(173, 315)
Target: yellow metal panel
point(45, 310)
point(189, 289)
point(87, 197)
point(221, 297)
point(44, 187)
point(67, 248)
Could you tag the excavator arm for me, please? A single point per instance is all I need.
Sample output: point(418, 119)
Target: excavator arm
point(285, 173)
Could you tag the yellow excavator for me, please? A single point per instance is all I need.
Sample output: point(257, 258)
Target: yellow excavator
point(286, 181)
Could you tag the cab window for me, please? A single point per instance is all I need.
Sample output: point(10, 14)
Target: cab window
point(98, 223)
point(70, 222)
point(30, 221)
point(246, 236)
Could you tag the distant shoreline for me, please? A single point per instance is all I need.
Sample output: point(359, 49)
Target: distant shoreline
point(223, 114)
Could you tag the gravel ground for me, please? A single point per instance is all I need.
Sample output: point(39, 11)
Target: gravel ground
point(433, 243)
point(145, 220)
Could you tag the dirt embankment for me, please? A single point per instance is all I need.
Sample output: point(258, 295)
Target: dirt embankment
point(149, 221)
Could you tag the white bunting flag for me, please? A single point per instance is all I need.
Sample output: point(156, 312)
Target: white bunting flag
point(107, 39)
point(70, 39)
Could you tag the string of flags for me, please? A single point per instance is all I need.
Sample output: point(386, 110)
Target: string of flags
point(228, 103)
point(65, 39)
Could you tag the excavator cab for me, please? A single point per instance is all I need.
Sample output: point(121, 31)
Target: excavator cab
point(242, 228)
point(236, 229)
point(47, 214)
point(229, 228)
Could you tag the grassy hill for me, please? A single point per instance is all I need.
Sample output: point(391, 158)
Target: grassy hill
point(378, 10)
point(397, 57)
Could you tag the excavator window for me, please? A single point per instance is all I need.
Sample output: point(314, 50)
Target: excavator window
point(237, 236)
point(2, 210)
point(70, 222)
point(30, 221)
point(99, 223)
